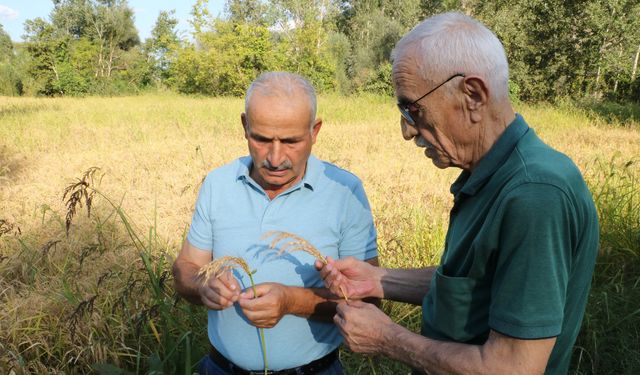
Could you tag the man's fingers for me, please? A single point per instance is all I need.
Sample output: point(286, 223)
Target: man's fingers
point(255, 291)
point(338, 320)
point(229, 281)
point(215, 303)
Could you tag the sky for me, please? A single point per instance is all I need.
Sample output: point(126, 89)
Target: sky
point(13, 13)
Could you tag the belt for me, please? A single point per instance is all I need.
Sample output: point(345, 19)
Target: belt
point(310, 368)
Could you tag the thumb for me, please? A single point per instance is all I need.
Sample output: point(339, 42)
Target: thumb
point(229, 281)
point(254, 292)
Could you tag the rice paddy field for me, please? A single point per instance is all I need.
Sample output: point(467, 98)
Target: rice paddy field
point(93, 293)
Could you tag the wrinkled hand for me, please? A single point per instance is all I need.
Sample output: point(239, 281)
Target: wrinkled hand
point(355, 278)
point(268, 308)
point(219, 293)
point(365, 328)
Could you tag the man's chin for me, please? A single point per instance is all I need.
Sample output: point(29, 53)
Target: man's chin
point(276, 179)
point(437, 161)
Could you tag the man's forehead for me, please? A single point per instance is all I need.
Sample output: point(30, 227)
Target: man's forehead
point(269, 100)
point(406, 79)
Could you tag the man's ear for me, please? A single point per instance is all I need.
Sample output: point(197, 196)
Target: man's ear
point(245, 125)
point(476, 96)
point(315, 129)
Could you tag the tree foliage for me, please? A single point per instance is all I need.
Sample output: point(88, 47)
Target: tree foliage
point(10, 80)
point(575, 48)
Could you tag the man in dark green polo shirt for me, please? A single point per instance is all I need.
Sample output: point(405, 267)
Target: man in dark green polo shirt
point(511, 289)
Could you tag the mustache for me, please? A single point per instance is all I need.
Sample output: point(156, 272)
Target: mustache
point(285, 165)
point(421, 142)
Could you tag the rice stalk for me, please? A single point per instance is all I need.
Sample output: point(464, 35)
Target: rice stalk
point(219, 266)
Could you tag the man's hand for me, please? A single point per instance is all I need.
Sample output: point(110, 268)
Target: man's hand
point(219, 293)
point(365, 328)
point(353, 277)
point(268, 308)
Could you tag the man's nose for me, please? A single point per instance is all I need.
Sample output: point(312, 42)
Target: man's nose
point(276, 155)
point(408, 131)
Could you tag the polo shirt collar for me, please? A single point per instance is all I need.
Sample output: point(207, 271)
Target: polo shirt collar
point(470, 182)
point(310, 179)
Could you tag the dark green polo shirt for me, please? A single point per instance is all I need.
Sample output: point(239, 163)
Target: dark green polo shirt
point(520, 249)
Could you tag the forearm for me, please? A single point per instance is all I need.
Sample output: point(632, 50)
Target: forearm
point(407, 285)
point(186, 281)
point(430, 356)
point(442, 357)
point(315, 303)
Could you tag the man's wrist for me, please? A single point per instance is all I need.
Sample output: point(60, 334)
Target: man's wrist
point(390, 335)
point(287, 300)
point(380, 276)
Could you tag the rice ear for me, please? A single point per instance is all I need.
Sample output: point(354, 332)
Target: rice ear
point(221, 265)
point(295, 243)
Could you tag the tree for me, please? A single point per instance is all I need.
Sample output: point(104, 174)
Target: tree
point(10, 80)
point(114, 32)
point(163, 45)
point(48, 51)
point(373, 28)
point(226, 56)
point(82, 47)
point(301, 31)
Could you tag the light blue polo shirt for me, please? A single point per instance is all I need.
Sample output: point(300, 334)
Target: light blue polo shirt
point(328, 208)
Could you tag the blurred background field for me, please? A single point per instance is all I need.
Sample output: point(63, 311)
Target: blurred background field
point(100, 298)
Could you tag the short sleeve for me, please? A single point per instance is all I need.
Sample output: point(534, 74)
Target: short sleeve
point(533, 265)
point(201, 230)
point(358, 234)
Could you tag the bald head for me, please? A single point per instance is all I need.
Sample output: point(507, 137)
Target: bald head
point(451, 43)
point(283, 85)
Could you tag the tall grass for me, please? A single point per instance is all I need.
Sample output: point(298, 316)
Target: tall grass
point(100, 298)
point(610, 337)
point(104, 306)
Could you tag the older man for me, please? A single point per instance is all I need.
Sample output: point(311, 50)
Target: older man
point(511, 289)
point(280, 187)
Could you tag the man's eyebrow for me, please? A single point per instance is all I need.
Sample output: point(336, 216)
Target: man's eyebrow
point(259, 137)
point(404, 100)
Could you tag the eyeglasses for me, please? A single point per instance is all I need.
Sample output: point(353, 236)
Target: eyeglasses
point(404, 108)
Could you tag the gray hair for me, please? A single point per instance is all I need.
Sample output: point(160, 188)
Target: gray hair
point(455, 43)
point(283, 84)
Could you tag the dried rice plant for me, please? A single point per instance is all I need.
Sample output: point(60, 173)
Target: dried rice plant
point(221, 265)
point(295, 243)
point(78, 192)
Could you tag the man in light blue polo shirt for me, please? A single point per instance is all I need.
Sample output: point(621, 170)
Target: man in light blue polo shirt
point(279, 187)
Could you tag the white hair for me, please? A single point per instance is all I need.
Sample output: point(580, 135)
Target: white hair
point(283, 84)
point(451, 43)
